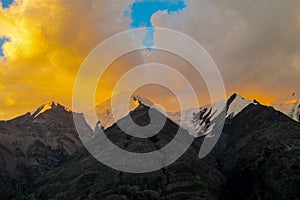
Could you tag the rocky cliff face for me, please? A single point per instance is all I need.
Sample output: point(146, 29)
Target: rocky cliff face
point(257, 157)
point(33, 144)
point(85, 178)
point(262, 155)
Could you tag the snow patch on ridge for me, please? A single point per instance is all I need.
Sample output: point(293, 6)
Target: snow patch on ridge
point(289, 106)
point(106, 116)
point(197, 121)
point(43, 108)
point(200, 121)
point(236, 104)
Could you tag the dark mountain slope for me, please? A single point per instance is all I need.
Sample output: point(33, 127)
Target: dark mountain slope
point(263, 155)
point(33, 144)
point(257, 157)
point(85, 178)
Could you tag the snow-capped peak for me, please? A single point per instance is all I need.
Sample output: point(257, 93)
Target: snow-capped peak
point(43, 108)
point(106, 116)
point(290, 106)
point(142, 100)
point(198, 121)
point(236, 103)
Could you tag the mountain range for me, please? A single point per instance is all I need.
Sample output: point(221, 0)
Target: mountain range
point(256, 157)
point(190, 119)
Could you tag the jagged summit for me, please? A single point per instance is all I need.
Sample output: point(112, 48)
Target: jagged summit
point(52, 109)
point(34, 143)
point(108, 116)
point(196, 120)
point(44, 108)
point(236, 103)
point(143, 101)
point(200, 120)
point(48, 106)
point(290, 106)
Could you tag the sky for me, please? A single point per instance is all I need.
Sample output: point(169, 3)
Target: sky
point(2, 41)
point(256, 46)
point(6, 3)
point(141, 12)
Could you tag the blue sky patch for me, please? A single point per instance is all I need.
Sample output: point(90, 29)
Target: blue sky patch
point(6, 3)
point(2, 41)
point(141, 12)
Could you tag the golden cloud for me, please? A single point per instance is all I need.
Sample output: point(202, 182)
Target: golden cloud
point(48, 42)
point(49, 39)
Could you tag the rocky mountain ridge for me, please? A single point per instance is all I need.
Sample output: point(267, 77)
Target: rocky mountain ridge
point(257, 157)
point(34, 143)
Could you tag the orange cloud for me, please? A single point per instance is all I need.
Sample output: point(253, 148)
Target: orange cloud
point(258, 57)
point(48, 42)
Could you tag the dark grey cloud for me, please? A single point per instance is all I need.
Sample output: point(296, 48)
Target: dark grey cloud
point(256, 44)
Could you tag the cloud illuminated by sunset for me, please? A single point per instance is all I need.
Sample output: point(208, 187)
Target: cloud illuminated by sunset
point(48, 42)
point(255, 45)
point(141, 13)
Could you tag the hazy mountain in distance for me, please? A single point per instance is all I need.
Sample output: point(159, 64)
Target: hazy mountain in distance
point(290, 106)
point(106, 116)
point(196, 120)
